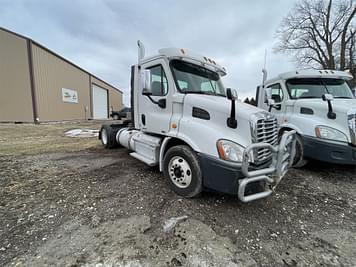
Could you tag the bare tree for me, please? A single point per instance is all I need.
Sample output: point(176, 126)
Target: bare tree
point(320, 34)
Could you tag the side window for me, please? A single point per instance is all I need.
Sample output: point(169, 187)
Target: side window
point(159, 83)
point(277, 92)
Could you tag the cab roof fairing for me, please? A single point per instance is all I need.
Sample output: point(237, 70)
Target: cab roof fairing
point(333, 74)
point(184, 54)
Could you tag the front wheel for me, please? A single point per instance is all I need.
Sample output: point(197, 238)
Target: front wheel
point(181, 168)
point(299, 160)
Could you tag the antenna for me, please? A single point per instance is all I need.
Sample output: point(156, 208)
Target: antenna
point(264, 70)
point(141, 50)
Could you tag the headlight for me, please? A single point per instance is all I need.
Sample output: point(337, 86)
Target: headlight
point(326, 132)
point(231, 151)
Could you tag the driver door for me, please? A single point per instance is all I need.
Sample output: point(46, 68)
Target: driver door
point(152, 118)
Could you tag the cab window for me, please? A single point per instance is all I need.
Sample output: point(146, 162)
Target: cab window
point(277, 92)
point(159, 83)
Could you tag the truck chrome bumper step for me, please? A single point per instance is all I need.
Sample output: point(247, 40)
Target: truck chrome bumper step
point(244, 182)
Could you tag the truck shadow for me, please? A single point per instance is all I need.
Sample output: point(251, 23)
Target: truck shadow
point(327, 170)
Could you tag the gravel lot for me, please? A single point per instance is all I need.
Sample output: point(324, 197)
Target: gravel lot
point(68, 202)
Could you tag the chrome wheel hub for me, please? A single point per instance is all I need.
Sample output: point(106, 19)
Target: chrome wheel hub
point(180, 172)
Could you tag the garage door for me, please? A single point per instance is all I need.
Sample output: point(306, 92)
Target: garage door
point(100, 103)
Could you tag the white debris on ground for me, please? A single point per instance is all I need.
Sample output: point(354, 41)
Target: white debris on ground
point(82, 133)
point(172, 222)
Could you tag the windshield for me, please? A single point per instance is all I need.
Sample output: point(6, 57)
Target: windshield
point(191, 78)
point(316, 87)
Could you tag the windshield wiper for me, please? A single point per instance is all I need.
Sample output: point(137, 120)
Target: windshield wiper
point(344, 97)
point(203, 93)
point(198, 92)
point(307, 97)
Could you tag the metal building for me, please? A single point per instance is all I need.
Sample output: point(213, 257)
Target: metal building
point(38, 85)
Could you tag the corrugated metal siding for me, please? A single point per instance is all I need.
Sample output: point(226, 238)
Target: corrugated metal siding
point(51, 74)
point(15, 86)
point(115, 97)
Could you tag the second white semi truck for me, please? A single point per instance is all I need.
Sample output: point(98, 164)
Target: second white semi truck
point(320, 106)
point(185, 122)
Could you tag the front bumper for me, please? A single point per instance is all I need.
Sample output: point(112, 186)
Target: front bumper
point(235, 178)
point(318, 149)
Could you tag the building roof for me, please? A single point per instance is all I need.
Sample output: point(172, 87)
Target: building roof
point(59, 56)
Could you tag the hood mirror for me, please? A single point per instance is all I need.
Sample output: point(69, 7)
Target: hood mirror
point(231, 94)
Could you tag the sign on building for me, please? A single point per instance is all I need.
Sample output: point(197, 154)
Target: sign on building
point(69, 96)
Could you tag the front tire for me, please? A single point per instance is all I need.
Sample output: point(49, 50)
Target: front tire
point(181, 168)
point(299, 160)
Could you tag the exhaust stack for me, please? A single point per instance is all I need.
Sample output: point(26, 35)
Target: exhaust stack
point(141, 50)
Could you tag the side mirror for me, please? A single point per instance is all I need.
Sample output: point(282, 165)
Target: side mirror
point(327, 97)
point(146, 82)
point(231, 94)
point(270, 102)
point(268, 95)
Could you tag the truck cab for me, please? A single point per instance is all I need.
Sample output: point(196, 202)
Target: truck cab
point(193, 128)
point(320, 106)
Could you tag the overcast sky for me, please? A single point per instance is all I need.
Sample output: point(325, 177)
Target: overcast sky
point(101, 36)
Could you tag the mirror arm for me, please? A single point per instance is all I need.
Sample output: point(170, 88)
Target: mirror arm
point(161, 103)
point(331, 113)
point(231, 121)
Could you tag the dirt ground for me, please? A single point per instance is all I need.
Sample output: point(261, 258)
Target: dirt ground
point(68, 202)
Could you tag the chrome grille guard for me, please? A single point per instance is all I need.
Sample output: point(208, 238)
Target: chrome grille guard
point(282, 158)
point(351, 118)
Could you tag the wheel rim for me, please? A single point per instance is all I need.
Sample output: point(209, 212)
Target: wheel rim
point(104, 136)
point(180, 172)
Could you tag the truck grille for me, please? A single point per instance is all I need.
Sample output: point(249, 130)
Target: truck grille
point(352, 126)
point(265, 130)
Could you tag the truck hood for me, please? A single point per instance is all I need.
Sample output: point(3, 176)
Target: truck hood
point(339, 105)
point(221, 105)
point(219, 109)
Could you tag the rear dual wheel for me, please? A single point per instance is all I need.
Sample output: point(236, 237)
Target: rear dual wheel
point(107, 136)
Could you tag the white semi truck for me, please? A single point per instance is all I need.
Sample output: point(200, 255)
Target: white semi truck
point(185, 122)
point(320, 106)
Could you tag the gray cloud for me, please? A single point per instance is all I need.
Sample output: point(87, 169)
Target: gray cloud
point(101, 36)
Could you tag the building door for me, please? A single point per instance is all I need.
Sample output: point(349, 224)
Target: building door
point(100, 103)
